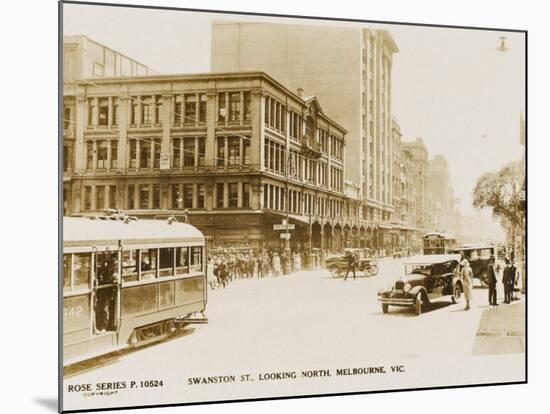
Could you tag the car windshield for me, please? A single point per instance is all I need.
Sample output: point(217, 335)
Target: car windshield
point(421, 269)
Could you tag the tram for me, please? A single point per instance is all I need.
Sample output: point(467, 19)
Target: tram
point(128, 282)
point(438, 243)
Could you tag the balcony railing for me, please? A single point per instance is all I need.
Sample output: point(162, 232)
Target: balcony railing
point(310, 148)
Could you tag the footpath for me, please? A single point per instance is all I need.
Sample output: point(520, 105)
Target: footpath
point(501, 330)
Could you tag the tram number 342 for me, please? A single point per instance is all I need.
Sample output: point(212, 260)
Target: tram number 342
point(73, 312)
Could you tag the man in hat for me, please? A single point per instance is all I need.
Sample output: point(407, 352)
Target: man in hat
point(351, 259)
point(467, 281)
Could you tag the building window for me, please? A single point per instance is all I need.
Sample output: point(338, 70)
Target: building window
point(156, 155)
point(133, 153)
point(134, 111)
point(100, 197)
point(188, 196)
point(131, 197)
point(189, 152)
point(190, 109)
point(112, 196)
point(233, 195)
point(247, 106)
point(89, 155)
point(156, 196)
point(87, 198)
point(202, 151)
point(115, 112)
point(220, 161)
point(234, 150)
point(219, 195)
point(144, 196)
point(102, 152)
point(246, 195)
point(178, 111)
point(145, 154)
point(65, 158)
point(176, 197)
point(202, 108)
point(66, 117)
point(200, 196)
point(222, 110)
point(103, 112)
point(146, 112)
point(158, 109)
point(235, 106)
point(114, 155)
point(176, 143)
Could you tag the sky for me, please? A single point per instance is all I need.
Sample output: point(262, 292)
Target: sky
point(451, 87)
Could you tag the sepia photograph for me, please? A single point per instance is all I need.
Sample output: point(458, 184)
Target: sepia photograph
point(266, 206)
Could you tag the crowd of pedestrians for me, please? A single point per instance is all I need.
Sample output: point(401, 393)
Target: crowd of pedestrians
point(223, 268)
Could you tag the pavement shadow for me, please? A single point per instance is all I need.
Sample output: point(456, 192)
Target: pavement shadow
point(407, 312)
point(114, 357)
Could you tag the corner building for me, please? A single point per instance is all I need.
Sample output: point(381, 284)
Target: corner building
point(349, 70)
point(239, 151)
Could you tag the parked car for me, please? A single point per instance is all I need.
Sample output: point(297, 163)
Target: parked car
point(337, 265)
point(478, 255)
point(425, 278)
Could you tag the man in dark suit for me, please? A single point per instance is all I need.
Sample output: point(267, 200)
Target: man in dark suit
point(492, 282)
point(352, 261)
point(506, 276)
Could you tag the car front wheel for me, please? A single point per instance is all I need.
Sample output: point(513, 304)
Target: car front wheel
point(418, 304)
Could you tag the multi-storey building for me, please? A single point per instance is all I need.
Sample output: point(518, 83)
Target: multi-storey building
point(239, 151)
point(404, 232)
point(349, 69)
point(420, 163)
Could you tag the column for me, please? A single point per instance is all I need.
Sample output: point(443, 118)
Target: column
point(93, 198)
point(241, 108)
point(154, 119)
point(197, 103)
point(94, 155)
point(211, 118)
point(181, 154)
point(122, 132)
point(138, 154)
point(110, 113)
point(79, 147)
point(225, 195)
point(257, 122)
point(196, 155)
point(166, 110)
point(138, 115)
point(240, 194)
point(108, 156)
point(225, 151)
point(227, 108)
point(195, 195)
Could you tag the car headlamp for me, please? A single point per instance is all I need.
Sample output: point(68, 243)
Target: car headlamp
point(407, 287)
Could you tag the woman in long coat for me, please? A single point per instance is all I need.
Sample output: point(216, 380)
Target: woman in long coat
point(467, 281)
point(276, 264)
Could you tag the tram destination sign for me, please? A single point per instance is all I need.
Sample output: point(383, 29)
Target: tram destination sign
point(284, 227)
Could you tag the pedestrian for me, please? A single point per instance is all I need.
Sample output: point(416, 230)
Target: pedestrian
point(509, 280)
point(351, 259)
point(467, 281)
point(492, 278)
point(276, 264)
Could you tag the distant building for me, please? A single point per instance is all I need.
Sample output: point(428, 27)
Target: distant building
point(349, 70)
point(420, 164)
point(84, 58)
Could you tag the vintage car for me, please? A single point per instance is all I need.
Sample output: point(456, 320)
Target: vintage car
point(425, 278)
point(479, 255)
point(337, 265)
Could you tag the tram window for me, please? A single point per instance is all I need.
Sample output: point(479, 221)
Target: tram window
point(166, 261)
point(182, 260)
point(82, 269)
point(474, 255)
point(107, 268)
point(196, 259)
point(129, 265)
point(148, 264)
point(66, 272)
